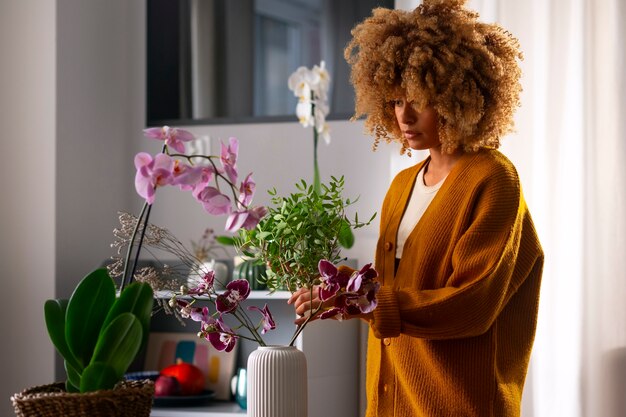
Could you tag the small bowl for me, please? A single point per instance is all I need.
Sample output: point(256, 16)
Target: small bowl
point(141, 375)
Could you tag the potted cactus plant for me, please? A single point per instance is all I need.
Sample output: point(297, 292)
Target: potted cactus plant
point(98, 334)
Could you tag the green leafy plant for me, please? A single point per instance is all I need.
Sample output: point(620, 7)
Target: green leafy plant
point(97, 333)
point(299, 231)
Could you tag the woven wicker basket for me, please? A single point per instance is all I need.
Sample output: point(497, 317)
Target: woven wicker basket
point(127, 399)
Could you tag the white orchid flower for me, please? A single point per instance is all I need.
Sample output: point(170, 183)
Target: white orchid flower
point(304, 113)
point(320, 123)
point(311, 88)
point(322, 107)
point(324, 131)
point(321, 89)
point(302, 82)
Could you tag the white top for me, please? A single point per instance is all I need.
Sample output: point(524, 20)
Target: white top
point(421, 196)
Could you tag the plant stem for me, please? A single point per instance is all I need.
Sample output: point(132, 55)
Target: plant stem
point(243, 319)
point(131, 245)
point(301, 326)
point(139, 246)
point(317, 186)
point(145, 211)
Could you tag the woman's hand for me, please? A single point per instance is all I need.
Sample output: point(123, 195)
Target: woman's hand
point(307, 301)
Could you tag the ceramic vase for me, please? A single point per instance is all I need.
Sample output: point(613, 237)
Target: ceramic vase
point(277, 382)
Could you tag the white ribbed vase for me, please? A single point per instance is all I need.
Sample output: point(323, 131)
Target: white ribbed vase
point(277, 382)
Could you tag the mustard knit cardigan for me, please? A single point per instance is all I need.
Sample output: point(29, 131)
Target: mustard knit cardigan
point(455, 323)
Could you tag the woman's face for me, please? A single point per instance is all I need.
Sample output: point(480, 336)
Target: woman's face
point(418, 127)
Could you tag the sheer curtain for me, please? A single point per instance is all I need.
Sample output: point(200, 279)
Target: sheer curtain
point(604, 342)
point(570, 150)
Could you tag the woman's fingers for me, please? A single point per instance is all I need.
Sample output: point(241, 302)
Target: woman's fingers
point(294, 297)
point(305, 301)
point(305, 308)
point(301, 320)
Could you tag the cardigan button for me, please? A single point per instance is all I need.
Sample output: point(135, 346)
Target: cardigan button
point(388, 246)
point(386, 341)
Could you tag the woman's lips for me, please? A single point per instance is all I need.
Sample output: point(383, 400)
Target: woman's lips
point(410, 134)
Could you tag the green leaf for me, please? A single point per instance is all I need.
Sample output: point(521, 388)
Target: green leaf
point(73, 376)
point(86, 311)
point(70, 388)
point(137, 299)
point(119, 343)
point(98, 376)
point(247, 254)
point(225, 240)
point(346, 238)
point(54, 313)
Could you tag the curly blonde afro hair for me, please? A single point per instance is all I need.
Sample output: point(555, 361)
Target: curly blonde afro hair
point(439, 55)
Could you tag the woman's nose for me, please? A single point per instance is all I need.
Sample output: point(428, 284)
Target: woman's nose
point(406, 114)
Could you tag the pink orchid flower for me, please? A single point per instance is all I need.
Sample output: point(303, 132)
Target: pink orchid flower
point(186, 176)
point(224, 340)
point(367, 273)
point(332, 279)
point(206, 175)
point(367, 301)
point(246, 191)
point(152, 173)
point(173, 137)
point(353, 293)
point(213, 201)
point(187, 311)
point(245, 219)
point(218, 334)
point(334, 313)
point(328, 275)
point(229, 158)
point(205, 286)
point(236, 291)
point(267, 320)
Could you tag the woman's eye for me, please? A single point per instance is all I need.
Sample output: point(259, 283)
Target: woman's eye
point(397, 102)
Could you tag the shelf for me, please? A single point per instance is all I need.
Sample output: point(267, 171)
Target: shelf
point(215, 409)
point(264, 295)
point(254, 295)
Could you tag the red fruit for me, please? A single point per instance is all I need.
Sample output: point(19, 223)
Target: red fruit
point(166, 386)
point(190, 377)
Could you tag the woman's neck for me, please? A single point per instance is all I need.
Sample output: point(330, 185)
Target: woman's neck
point(440, 165)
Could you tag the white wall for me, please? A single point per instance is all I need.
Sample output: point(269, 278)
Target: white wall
point(94, 171)
point(27, 100)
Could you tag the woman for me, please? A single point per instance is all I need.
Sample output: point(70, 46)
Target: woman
point(458, 257)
